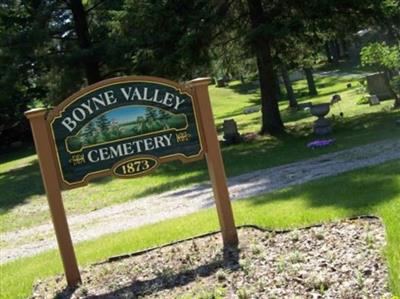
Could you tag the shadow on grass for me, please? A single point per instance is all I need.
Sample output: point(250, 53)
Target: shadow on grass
point(18, 184)
point(166, 281)
point(196, 172)
point(359, 192)
point(246, 88)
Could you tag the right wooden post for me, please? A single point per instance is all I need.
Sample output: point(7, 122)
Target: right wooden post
point(214, 160)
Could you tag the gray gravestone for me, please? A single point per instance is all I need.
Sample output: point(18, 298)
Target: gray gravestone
point(374, 100)
point(231, 133)
point(377, 85)
point(252, 109)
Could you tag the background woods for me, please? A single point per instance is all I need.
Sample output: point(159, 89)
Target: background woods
point(52, 48)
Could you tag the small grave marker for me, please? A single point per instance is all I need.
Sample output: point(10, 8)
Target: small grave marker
point(374, 100)
point(231, 133)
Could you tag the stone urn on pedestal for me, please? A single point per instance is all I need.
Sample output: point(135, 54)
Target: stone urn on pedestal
point(322, 126)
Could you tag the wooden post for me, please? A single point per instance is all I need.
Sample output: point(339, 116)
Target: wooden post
point(214, 160)
point(48, 168)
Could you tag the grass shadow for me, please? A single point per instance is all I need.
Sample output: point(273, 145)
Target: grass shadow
point(246, 88)
point(19, 184)
point(358, 191)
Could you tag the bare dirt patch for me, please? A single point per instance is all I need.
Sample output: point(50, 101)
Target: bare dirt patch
point(337, 260)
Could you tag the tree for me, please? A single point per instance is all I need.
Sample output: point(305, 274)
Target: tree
point(89, 58)
point(19, 81)
point(261, 40)
point(151, 114)
point(89, 133)
point(171, 38)
point(163, 117)
point(383, 58)
point(103, 124)
point(312, 89)
point(288, 85)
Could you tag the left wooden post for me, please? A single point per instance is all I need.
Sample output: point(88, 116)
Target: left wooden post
point(48, 168)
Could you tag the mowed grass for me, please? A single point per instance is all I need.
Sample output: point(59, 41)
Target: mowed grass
point(23, 202)
point(373, 190)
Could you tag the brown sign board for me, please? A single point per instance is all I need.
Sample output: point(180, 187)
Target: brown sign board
point(126, 127)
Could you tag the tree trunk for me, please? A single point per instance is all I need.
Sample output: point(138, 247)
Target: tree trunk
point(397, 103)
point(279, 93)
point(89, 60)
point(334, 51)
point(389, 87)
point(271, 118)
point(289, 88)
point(310, 81)
point(328, 52)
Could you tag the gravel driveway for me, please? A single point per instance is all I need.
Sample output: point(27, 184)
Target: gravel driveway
point(172, 204)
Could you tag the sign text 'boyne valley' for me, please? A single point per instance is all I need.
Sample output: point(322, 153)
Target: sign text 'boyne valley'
point(108, 98)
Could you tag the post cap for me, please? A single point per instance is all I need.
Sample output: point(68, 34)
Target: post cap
point(199, 81)
point(35, 112)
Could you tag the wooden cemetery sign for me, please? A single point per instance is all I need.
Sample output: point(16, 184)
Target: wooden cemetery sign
point(126, 127)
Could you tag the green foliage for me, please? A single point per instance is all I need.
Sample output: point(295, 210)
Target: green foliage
point(363, 100)
point(381, 56)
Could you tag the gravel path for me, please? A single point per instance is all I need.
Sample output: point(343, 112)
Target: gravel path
point(172, 204)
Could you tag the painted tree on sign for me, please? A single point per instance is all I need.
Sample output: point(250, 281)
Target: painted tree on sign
point(89, 133)
point(103, 125)
point(163, 117)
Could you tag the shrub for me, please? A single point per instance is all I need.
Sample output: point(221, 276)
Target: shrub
point(363, 100)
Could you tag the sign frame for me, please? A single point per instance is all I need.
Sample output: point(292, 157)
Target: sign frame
point(56, 113)
point(40, 120)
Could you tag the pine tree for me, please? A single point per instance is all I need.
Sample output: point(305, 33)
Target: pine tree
point(89, 132)
point(151, 114)
point(103, 123)
point(163, 117)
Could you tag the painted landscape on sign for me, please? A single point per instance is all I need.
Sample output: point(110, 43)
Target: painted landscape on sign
point(124, 122)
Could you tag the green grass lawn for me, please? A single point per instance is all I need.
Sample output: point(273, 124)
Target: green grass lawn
point(23, 202)
point(373, 190)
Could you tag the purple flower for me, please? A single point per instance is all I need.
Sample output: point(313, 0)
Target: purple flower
point(320, 143)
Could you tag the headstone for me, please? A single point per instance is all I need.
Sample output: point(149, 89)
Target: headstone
point(252, 109)
point(221, 82)
point(231, 133)
point(374, 100)
point(335, 99)
point(376, 85)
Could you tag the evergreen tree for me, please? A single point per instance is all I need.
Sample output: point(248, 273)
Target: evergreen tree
point(89, 133)
point(163, 117)
point(103, 124)
point(151, 114)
